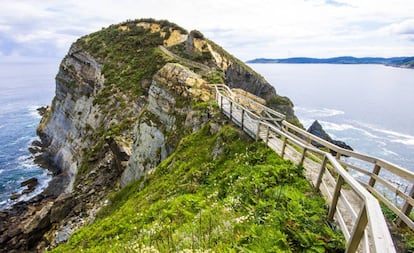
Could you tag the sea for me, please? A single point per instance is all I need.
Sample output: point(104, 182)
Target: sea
point(370, 107)
point(24, 87)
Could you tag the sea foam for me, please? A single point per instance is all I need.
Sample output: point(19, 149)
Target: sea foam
point(318, 112)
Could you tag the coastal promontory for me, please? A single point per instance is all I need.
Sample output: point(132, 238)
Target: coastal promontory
point(143, 160)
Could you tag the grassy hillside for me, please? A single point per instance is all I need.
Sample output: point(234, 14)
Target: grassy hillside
point(219, 192)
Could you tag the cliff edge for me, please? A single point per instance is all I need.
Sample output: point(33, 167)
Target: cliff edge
point(125, 98)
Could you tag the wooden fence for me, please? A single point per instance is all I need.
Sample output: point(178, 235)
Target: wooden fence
point(357, 212)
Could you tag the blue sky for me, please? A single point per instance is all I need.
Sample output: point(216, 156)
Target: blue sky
point(36, 30)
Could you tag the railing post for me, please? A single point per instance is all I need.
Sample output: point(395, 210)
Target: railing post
point(282, 153)
point(335, 197)
point(267, 135)
point(321, 172)
point(308, 140)
point(302, 159)
point(231, 110)
point(338, 156)
point(406, 209)
point(258, 130)
point(375, 171)
point(221, 103)
point(242, 119)
point(358, 231)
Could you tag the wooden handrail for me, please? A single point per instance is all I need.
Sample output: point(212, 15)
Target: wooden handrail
point(403, 211)
point(370, 219)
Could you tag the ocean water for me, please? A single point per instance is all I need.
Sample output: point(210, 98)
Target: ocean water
point(370, 107)
point(24, 87)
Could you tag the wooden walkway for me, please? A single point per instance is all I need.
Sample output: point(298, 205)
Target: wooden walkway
point(351, 204)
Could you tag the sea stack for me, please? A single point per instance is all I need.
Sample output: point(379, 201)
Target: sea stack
point(317, 130)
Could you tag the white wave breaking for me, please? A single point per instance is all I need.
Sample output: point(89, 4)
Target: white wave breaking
point(391, 135)
point(331, 126)
point(317, 113)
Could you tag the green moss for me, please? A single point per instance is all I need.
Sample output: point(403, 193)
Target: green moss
point(284, 105)
point(220, 192)
point(214, 77)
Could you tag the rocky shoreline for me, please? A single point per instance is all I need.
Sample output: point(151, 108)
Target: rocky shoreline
point(24, 223)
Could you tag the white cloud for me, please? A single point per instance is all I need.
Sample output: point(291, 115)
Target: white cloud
point(247, 28)
point(404, 27)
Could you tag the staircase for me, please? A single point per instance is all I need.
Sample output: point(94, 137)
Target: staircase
point(354, 204)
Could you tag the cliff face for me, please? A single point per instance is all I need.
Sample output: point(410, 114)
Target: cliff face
point(73, 113)
point(125, 97)
point(168, 117)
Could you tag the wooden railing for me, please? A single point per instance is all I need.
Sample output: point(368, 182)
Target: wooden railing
point(357, 212)
point(376, 182)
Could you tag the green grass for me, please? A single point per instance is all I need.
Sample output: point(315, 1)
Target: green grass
point(128, 57)
point(216, 193)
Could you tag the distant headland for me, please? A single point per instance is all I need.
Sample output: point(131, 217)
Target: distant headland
point(402, 62)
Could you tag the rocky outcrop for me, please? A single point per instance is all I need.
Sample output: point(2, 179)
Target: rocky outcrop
point(121, 107)
point(161, 125)
point(317, 130)
point(63, 129)
point(238, 76)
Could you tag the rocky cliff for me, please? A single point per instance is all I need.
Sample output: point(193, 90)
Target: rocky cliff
point(125, 97)
point(317, 130)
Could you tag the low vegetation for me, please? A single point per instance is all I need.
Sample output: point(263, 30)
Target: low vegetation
point(219, 192)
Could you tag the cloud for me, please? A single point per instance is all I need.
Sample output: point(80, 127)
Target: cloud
point(336, 3)
point(404, 27)
point(246, 28)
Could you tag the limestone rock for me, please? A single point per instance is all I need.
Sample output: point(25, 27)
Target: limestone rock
point(62, 207)
point(39, 221)
point(148, 151)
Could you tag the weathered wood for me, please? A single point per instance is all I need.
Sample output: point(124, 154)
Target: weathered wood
point(321, 172)
point(302, 158)
point(402, 217)
point(335, 197)
point(267, 135)
point(282, 153)
point(375, 171)
point(358, 231)
point(291, 135)
point(242, 119)
point(231, 110)
point(258, 131)
point(406, 209)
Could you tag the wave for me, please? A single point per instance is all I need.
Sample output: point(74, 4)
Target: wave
point(317, 113)
point(331, 126)
point(391, 135)
point(29, 169)
point(43, 180)
point(34, 112)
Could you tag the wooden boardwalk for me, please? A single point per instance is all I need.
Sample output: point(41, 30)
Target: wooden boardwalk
point(351, 204)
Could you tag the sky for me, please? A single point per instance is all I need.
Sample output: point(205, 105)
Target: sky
point(248, 29)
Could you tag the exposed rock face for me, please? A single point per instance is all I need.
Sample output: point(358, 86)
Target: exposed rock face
point(316, 129)
point(121, 107)
point(63, 129)
point(161, 126)
point(238, 76)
